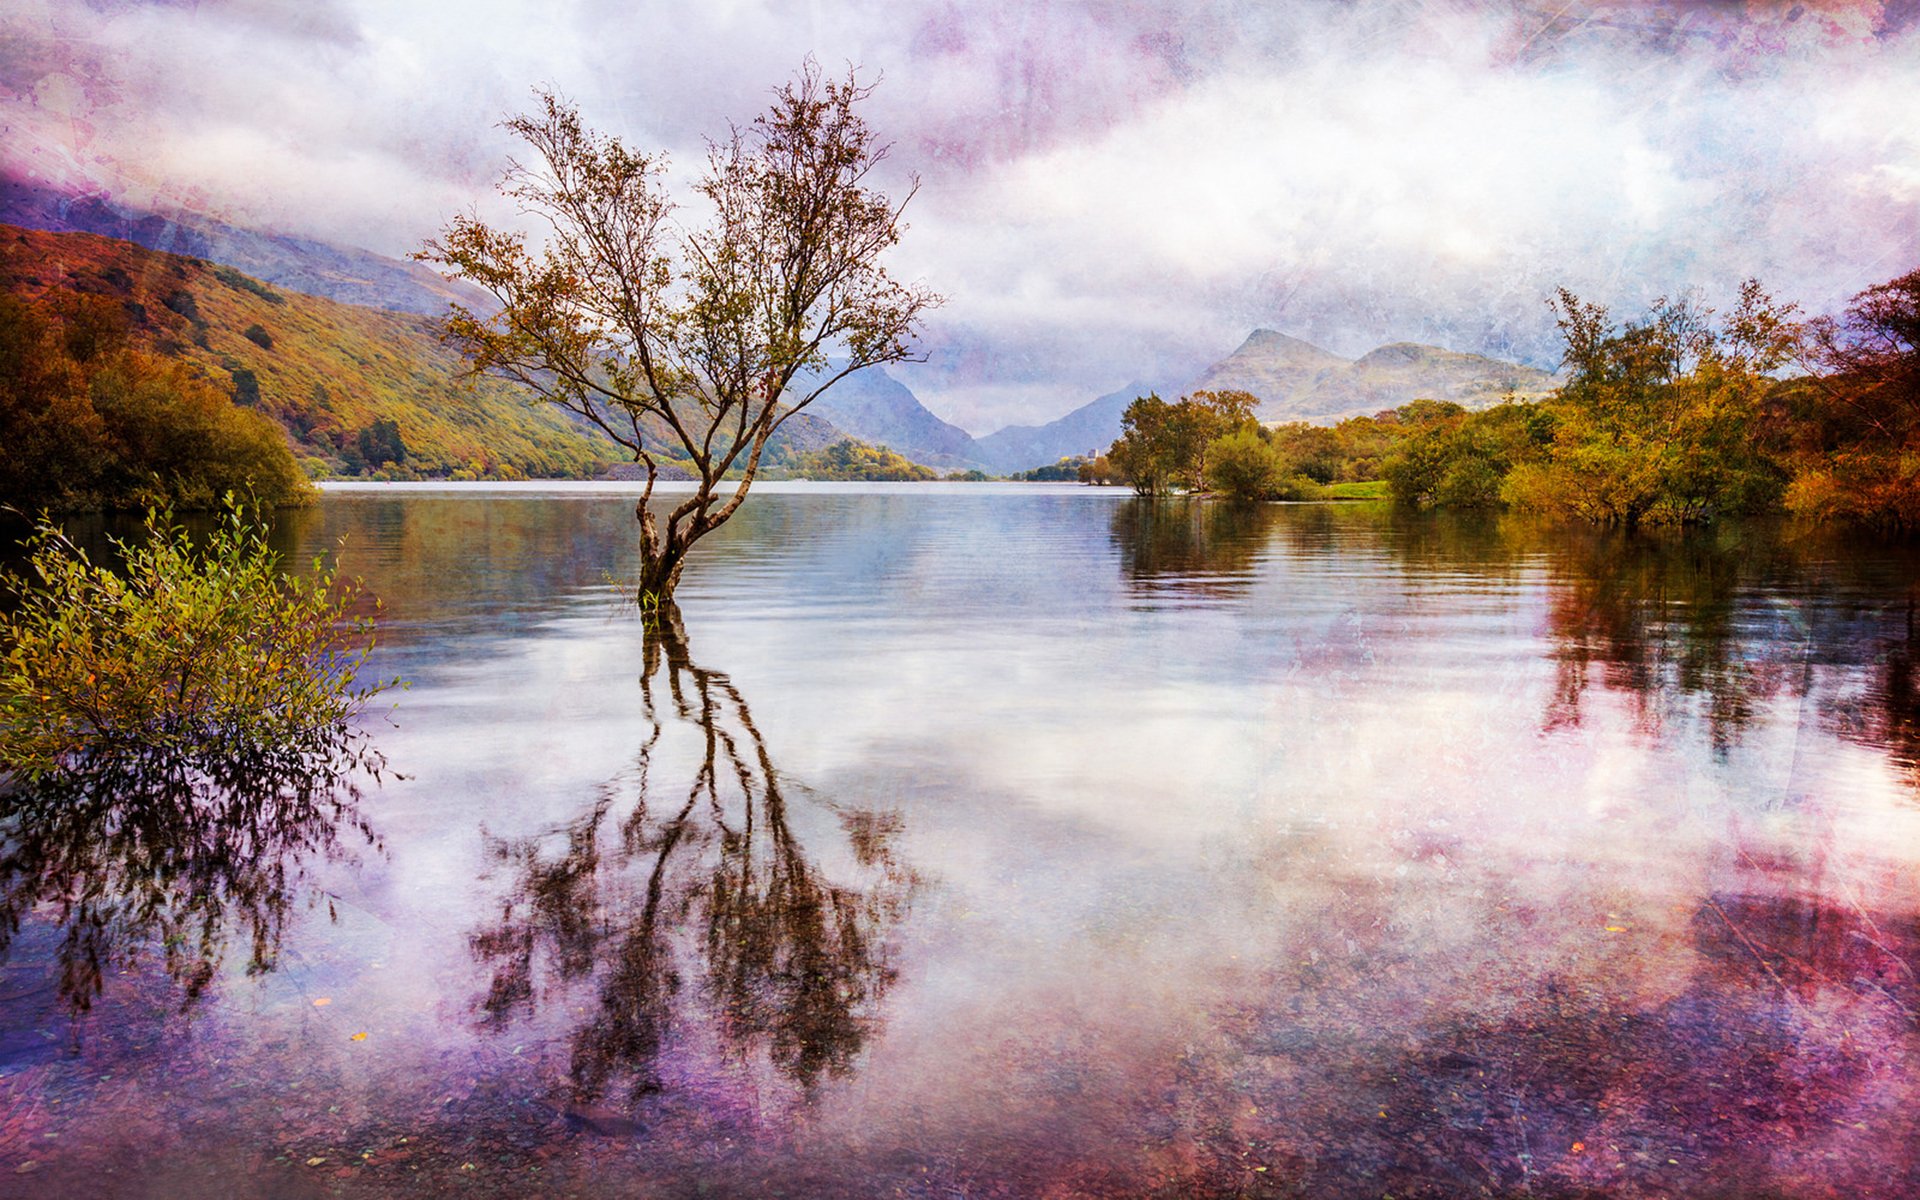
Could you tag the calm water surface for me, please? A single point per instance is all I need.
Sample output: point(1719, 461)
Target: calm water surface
point(1024, 841)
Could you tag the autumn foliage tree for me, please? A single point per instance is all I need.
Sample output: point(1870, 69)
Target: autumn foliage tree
point(1659, 421)
point(92, 422)
point(690, 338)
point(1859, 439)
point(1163, 446)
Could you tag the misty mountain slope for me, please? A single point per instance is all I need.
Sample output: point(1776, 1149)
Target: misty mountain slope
point(333, 375)
point(875, 407)
point(342, 273)
point(1298, 381)
point(1394, 374)
point(359, 389)
point(1091, 427)
point(1272, 366)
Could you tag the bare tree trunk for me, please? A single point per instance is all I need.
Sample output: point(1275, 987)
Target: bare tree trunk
point(663, 549)
point(660, 562)
point(659, 575)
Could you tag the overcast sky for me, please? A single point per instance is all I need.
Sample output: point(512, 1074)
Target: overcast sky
point(1110, 191)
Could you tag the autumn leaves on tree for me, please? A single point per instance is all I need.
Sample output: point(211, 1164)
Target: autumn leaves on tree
point(694, 338)
point(1680, 417)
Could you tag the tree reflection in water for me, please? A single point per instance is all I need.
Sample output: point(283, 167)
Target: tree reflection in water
point(1719, 624)
point(1189, 546)
point(1663, 621)
point(1885, 712)
point(127, 854)
point(707, 877)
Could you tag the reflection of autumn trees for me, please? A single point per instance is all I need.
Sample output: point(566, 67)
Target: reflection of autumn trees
point(1663, 621)
point(1721, 622)
point(1708, 625)
point(1885, 710)
point(131, 855)
point(692, 903)
point(1190, 546)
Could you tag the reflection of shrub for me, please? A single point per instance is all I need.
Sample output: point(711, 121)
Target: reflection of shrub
point(206, 654)
point(258, 335)
point(179, 863)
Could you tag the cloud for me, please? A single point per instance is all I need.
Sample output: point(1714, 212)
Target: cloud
point(1110, 191)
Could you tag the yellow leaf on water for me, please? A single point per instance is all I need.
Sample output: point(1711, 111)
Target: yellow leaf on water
point(360, 1037)
point(314, 1162)
point(1616, 929)
point(322, 1001)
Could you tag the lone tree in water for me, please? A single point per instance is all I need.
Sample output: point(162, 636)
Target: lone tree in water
point(682, 340)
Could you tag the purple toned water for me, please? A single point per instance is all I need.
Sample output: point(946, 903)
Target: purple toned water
point(982, 841)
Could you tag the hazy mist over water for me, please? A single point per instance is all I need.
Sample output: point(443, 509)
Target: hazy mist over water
point(1024, 840)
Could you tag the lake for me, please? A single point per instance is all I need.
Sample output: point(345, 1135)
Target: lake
point(1025, 840)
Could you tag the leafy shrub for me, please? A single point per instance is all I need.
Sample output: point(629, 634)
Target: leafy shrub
point(850, 459)
point(246, 388)
point(1414, 474)
point(1243, 465)
point(1247, 465)
point(177, 441)
point(1066, 470)
point(206, 655)
point(182, 302)
point(258, 335)
point(380, 443)
point(93, 424)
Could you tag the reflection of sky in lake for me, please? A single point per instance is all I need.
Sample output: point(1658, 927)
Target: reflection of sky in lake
point(1149, 848)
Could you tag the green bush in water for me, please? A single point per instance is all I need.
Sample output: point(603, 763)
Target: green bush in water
point(205, 654)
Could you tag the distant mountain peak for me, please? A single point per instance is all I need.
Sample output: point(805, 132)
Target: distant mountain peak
point(1091, 428)
point(1399, 352)
point(1298, 381)
point(875, 407)
point(1271, 342)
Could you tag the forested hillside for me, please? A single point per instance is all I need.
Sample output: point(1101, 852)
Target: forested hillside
point(358, 391)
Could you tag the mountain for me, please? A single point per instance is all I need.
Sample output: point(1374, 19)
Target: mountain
point(1091, 427)
point(1295, 381)
point(355, 388)
point(318, 268)
point(1394, 374)
point(1270, 365)
point(358, 390)
point(1298, 381)
point(875, 407)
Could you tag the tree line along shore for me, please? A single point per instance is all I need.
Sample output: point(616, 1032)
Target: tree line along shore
point(1677, 417)
point(130, 379)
